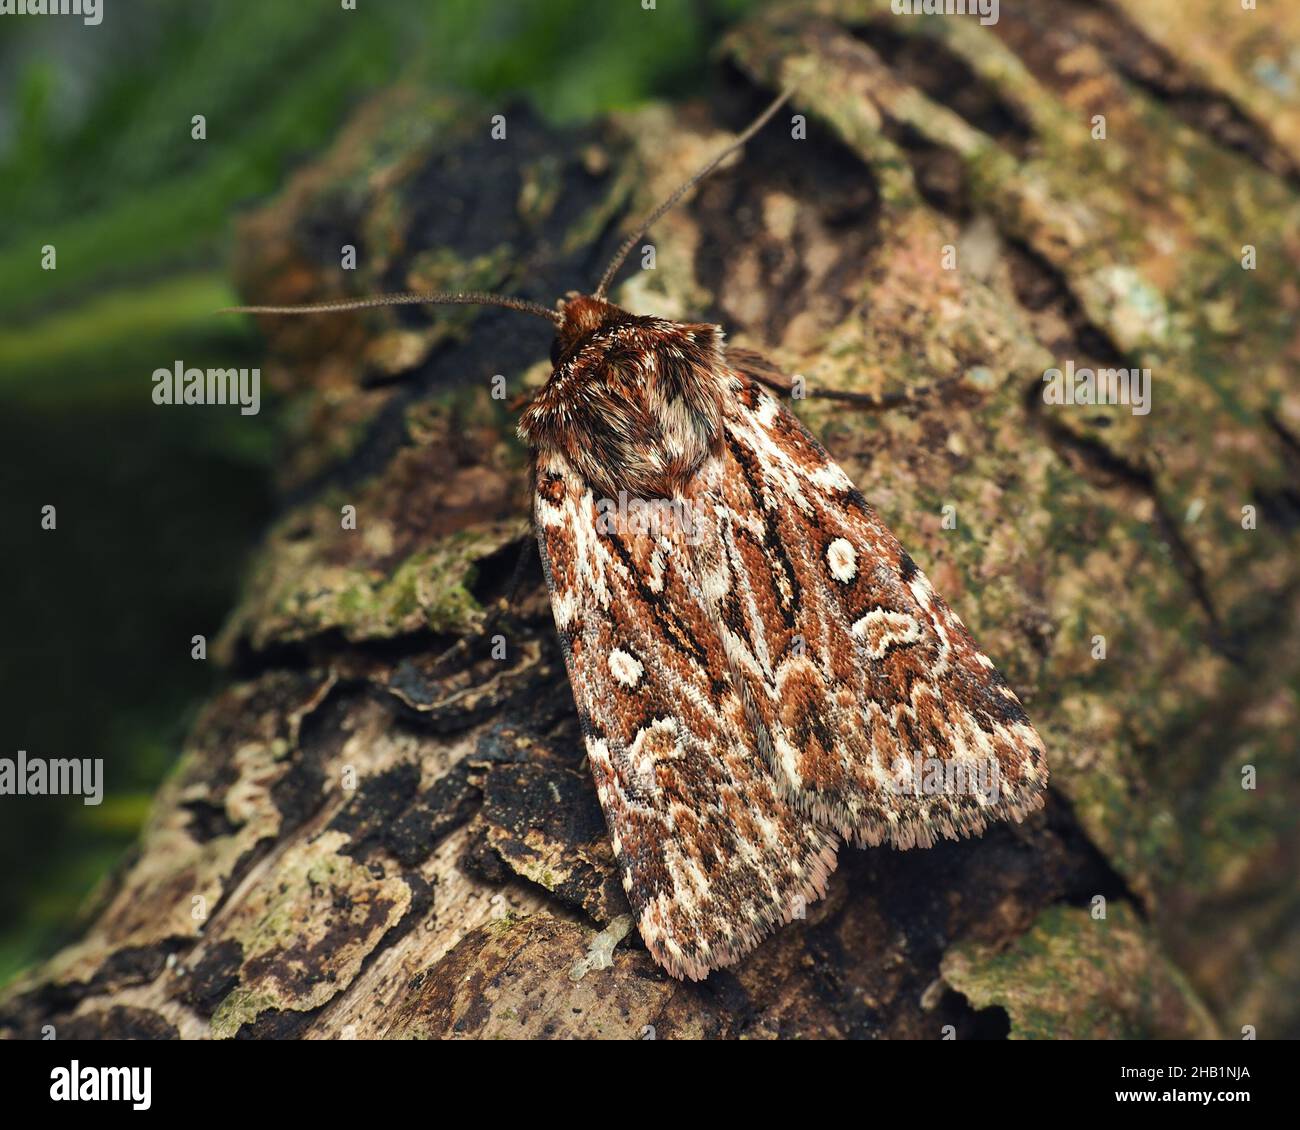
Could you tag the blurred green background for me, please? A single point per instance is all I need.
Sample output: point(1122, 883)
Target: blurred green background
point(157, 510)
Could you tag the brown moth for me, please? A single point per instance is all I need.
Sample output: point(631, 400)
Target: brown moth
point(759, 668)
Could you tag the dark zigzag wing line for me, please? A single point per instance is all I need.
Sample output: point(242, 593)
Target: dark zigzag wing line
point(852, 664)
point(713, 855)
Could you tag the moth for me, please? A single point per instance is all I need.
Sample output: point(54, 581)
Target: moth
point(760, 670)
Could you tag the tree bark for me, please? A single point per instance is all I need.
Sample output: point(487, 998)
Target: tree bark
point(384, 826)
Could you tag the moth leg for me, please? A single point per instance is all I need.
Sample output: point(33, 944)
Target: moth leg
point(527, 551)
point(758, 367)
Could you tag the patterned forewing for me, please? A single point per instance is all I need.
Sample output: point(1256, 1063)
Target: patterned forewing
point(881, 717)
point(713, 853)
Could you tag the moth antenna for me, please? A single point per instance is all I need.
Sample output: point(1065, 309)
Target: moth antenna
point(467, 298)
point(667, 205)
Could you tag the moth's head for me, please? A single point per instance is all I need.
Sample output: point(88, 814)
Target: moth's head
point(579, 315)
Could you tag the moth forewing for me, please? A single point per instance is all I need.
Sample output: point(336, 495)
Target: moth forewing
point(886, 722)
point(712, 857)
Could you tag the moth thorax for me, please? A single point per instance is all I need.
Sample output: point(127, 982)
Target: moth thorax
point(635, 406)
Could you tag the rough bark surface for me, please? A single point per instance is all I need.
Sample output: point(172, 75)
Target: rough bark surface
point(370, 836)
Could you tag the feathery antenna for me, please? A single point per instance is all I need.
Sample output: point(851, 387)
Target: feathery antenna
point(667, 205)
point(467, 298)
